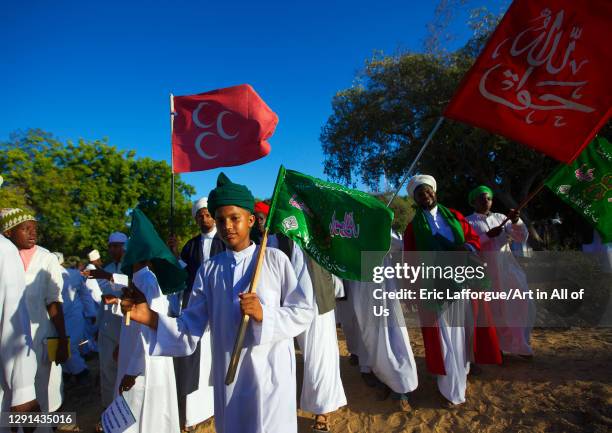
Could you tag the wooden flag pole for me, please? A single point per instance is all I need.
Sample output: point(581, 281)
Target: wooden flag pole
point(416, 159)
point(233, 366)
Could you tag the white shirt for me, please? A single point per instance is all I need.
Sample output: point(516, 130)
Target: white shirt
point(438, 224)
point(483, 223)
point(207, 243)
point(17, 360)
point(44, 283)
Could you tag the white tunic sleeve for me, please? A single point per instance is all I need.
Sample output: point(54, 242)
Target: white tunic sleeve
point(53, 290)
point(294, 314)
point(518, 231)
point(179, 336)
point(145, 281)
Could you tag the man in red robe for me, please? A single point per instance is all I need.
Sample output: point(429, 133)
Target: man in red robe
point(449, 344)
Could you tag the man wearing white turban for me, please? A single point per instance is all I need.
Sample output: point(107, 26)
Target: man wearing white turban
point(447, 352)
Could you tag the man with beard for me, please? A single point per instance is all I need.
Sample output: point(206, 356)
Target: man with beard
point(445, 331)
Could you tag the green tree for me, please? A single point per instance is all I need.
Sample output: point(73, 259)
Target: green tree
point(83, 191)
point(378, 125)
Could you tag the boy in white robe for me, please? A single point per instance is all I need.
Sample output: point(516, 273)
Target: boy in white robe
point(17, 361)
point(262, 396)
point(147, 382)
point(43, 298)
point(514, 318)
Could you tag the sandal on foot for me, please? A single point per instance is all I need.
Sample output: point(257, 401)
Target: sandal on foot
point(321, 424)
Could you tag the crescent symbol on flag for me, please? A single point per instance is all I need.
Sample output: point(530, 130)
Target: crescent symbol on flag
point(198, 145)
point(220, 129)
point(195, 116)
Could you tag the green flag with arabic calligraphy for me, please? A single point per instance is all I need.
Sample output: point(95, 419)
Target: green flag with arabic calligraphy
point(333, 224)
point(586, 185)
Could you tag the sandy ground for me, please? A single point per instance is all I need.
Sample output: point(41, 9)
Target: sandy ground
point(566, 388)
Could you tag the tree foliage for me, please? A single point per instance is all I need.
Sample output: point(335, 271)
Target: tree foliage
point(378, 125)
point(81, 192)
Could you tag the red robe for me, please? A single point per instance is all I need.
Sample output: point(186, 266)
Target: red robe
point(486, 345)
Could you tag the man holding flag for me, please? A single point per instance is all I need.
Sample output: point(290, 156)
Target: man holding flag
point(262, 397)
point(513, 318)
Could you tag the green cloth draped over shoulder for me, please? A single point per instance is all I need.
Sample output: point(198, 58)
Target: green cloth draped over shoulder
point(426, 241)
point(146, 245)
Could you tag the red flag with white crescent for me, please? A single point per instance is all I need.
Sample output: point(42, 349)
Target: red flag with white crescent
point(543, 78)
point(221, 128)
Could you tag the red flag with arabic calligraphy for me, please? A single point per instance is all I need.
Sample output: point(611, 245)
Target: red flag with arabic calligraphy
point(221, 128)
point(543, 78)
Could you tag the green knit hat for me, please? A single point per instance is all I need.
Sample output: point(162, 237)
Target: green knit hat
point(477, 191)
point(228, 193)
point(12, 217)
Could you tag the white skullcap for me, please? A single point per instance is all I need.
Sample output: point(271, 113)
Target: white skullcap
point(93, 255)
point(89, 267)
point(60, 257)
point(117, 237)
point(418, 180)
point(197, 205)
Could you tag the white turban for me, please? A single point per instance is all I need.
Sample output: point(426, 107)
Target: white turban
point(197, 205)
point(117, 237)
point(60, 257)
point(93, 255)
point(418, 180)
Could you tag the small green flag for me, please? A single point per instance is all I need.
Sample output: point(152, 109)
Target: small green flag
point(586, 185)
point(333, 224)
point(146, 245)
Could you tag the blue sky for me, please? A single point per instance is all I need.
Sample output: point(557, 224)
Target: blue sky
point(105, 69)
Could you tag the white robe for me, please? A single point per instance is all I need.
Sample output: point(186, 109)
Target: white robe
point(109, 328)
point(514, 318)
point(199, 405)
point(73, 320)
point(453, 384)
point(17, 360)
point(44, 284)
point(385, 339)
point(322, 389)
point(262, 396)
point(152, 399)
point(452, 322)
